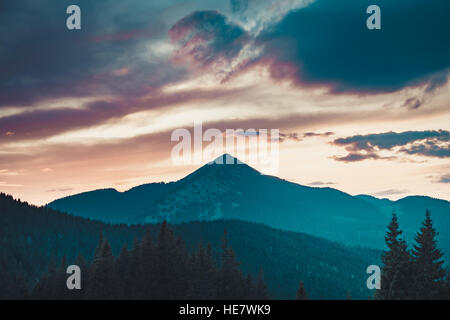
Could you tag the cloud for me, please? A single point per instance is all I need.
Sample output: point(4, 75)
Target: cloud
point(389, 192)
point(354, 157)
point(445, 178)
point(208, 38)
point(70, 162)
point(294, 136)
point(59, 189)
point(429, 91)
point(6, 172)
point(413, 103)
point(4, 184)
point(59, 155)
point(258, 15)
point(289, 136)
point(430, 149)
point(318, 134)
point(436, 82)
point(33, 125)
point(320, 183)
point(327, 43)
point(430, 143)
point(239, 6)
point(388, 140)
point(42, 60)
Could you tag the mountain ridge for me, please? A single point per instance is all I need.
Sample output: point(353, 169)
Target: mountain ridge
point(238, 191)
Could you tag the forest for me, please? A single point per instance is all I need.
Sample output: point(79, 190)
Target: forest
point(203, 260)
point(162, 270)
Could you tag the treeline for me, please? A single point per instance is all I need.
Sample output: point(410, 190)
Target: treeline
point(416, 273)
point(160, 270)
point(34, 240)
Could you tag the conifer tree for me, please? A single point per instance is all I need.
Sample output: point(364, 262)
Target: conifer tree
point(18, 289)
point(445, 292)
point(171, 258)
point(135, 271)
point(123, 273)
point(261, 287)
point(181, 274)
point(84, 268)
point(348, 295)
point(45, 287)
point(175, 273)
point(60, 287)
point(209, 271)
point(230, 281)
point(250, 290)
point(396, 271)
point(428, 265)
point(99, 245)
point(301, 292)
point(12, 286)
point(203, 273)
point(102, 281)
point(147, 259)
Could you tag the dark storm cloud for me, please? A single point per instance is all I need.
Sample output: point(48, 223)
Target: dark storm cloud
point(206, 37)
point(328, 43)
point(431, 143)
point(41, 59)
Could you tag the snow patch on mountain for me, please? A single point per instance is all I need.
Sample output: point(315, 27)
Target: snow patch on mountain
point(202, 190)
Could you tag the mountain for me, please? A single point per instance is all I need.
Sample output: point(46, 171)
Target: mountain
point(375, 201)
point(410, 211)
point(32, 238)
point(109, 205)
point(237, 191)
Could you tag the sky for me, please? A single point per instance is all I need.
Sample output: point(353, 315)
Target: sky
point(363, 111)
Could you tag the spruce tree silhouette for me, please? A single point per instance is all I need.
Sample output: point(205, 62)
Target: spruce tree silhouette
point(301, 292)
point(396, 271)
point(428, 265)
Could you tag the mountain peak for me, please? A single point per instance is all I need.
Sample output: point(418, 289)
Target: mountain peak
point(226, 158)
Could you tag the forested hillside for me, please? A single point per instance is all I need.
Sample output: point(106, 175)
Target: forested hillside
point(33, 238)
